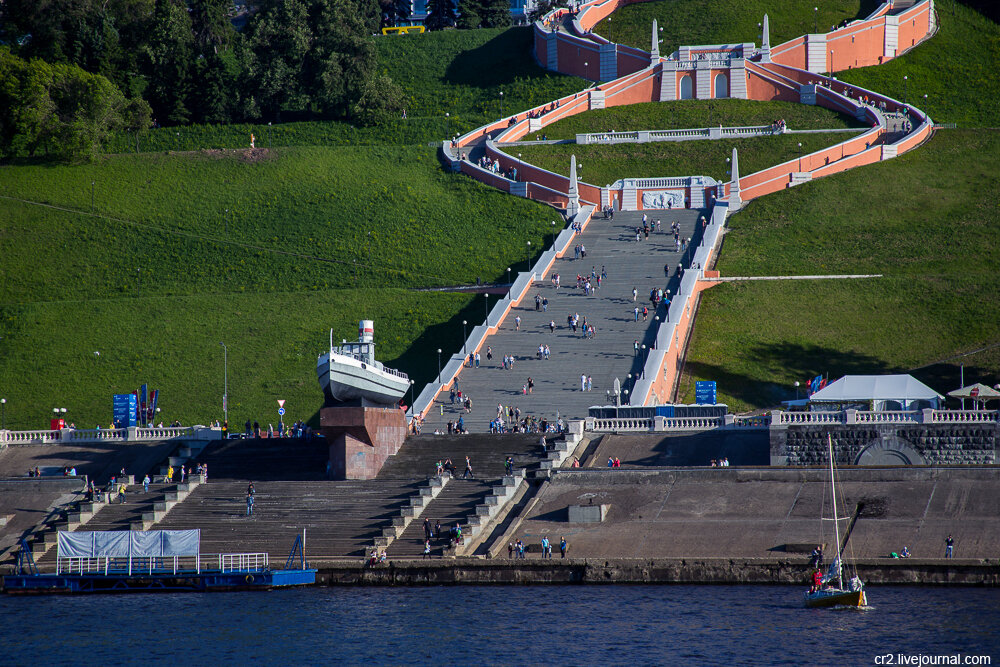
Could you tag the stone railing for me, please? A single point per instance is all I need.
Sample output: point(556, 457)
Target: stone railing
point(131, 434)
point(616, 425)
point(644, 136)
point(782, 419)
point(965, 417)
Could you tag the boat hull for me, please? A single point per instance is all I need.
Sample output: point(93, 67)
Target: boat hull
point(347, 380)
point(836, 598)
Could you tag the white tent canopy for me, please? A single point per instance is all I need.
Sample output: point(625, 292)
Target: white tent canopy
point(881, 392)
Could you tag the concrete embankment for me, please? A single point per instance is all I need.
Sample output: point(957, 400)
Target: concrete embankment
point(968, 572)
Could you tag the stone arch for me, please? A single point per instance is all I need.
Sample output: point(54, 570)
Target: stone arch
point(687, 87)
point(721, 86)
point(890, 450)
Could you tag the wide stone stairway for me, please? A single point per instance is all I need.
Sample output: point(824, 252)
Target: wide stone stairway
point(629, 263)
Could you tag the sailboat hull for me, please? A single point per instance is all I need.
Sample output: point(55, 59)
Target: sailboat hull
point(836, 598)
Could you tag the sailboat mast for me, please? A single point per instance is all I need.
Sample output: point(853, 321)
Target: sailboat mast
point(836, 516)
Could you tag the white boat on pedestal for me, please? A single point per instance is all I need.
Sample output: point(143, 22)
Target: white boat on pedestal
point(349, 372)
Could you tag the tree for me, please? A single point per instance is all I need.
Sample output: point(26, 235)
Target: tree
point(169, 57)
point(469, 14)
point(495, 13)
point(440, 14)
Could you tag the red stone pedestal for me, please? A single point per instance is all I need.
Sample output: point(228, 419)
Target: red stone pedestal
point(361, 439)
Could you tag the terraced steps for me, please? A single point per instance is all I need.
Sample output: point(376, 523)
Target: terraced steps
point(341, 518)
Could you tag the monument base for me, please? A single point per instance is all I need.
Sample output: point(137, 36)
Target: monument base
point(361, 439)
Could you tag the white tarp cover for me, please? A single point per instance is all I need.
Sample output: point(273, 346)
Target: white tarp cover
point(125, 543)
point(876, 388)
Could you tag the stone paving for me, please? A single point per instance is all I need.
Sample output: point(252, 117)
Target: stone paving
point(609, 355)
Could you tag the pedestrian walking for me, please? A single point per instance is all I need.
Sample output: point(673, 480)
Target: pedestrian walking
point(145, 484)
point(249, 504)
point(949, 547)
point(517, 323)
point(583, 382)
point(635, 293)
point(427, 549)
point(468, 469)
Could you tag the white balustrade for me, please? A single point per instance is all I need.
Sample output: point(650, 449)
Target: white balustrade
point(888, 417)
point(623, 424)
point(965, 416)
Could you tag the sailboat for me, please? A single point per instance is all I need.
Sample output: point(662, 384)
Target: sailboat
point(832, 592)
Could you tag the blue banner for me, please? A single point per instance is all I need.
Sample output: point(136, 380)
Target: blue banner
point(123, 410)
point(705, 392)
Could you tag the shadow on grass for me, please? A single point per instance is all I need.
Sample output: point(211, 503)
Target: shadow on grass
point(501, 60)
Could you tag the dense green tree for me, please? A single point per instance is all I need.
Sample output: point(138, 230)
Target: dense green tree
point(469, 14)
point(495, 13)
point(440, 14)
point(60, 109)
point(169, 55)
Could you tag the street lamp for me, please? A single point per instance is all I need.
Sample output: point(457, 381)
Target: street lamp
point(906, 80)
point(796, 390)
point(138, 277)
point(411, 395)
point(3, 414)
point(464, 348)
point(553, 233)
point(486, 301)
point(508, 278)
point(226, 222)
point(439, 365)
point(518, 165)
point(815, 19)
point(225, 382)
point(501, 103)
point(447, 120)
point(832, 68)
point(527, 263)
point(586, 70)
point(93, 186)
point(269, 138)
point(800, 156)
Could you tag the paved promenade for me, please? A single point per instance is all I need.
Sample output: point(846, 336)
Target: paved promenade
point(609, 355)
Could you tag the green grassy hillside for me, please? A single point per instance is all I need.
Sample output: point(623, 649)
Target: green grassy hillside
point(955, 69)
point(298, 219)
point(938, 245)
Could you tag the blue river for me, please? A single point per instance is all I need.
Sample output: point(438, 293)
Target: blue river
point(503, 625)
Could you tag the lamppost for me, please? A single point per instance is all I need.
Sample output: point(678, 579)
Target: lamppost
point(411, 395)
point(138, 277)
point(268, 135)
point(226, 222)
point(464, 348)
point(815, 19)
point(518, 165)
point(3, 414)
point(906, 80)
point(447, 120)
point(553, 233)
point(796, 390)
point(225, 382)
point(508, 278)
point(586, 70)
point(439, 365)
point(645, 356)
point(501, 104)
point(800, 156)
point(486, 301)
point(628, 382)
point(609, 30)
point(527, 263)
point(832, 68)
point(93, 186)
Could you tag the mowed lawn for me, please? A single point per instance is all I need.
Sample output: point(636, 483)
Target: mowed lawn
point(929, 221)
point(75, 354)
point(264, 251)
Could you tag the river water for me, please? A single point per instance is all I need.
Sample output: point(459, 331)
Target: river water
point(500, 625)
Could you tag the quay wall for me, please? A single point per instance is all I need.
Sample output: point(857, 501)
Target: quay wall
point(970, 572)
